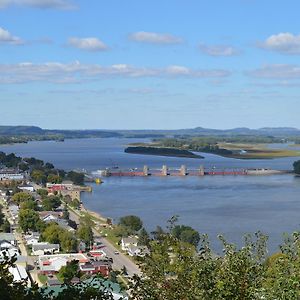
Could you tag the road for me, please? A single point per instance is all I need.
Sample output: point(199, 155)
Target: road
point(119, 260)
point(22, 247)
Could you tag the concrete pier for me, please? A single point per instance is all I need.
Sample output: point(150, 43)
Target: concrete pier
point(183, 171)
point(165, 171)
point(146, 171)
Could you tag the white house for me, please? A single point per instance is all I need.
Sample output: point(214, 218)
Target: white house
point(26, 188)
point(128, 242)
point(50, 264)
point(10, 175)
point(8, 246)
point(8, 237)
point(137, 251)
point(32, 238)
point(19, 273)
point(43, 248)
point(14, 211)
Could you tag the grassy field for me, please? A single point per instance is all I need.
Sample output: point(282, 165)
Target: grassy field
point(257, 151)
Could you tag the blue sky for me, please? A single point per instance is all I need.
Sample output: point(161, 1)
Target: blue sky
point(150, 64)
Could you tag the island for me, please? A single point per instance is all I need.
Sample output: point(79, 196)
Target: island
point(162, 151)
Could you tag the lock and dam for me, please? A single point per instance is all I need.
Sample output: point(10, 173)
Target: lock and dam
point(184, 171)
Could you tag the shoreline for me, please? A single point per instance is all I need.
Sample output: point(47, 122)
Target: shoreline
point(93, 213)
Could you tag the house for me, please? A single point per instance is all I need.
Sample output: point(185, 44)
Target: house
point(19, 273)
point(26, 188)
point(56, 187)
point(8, 237)
point(32, 238)
point(82, 246)
point(95, 282)
point(19, 270)
point(127, 242)
point(10, 175)
point(64, 224)
point(140, 251)
point(43, 248)
point(102, 267)
point(14, 211)
point(8, 246)
point(51, 264)
point(48, 216)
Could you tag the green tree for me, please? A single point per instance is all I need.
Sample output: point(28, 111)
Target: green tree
point(296, 166)
point(68, 272)
point(29, 220)
point(51, 203)
point(38, 176)
point(85, 233)
point(186, 234)
point(18, 290)
point(51, 233)
point(42, 192)
point(28, 204)
point(76, 178)
point(56, 235)
point(54, 178)
point(144, 238)
point(67, 241)
point(66, 214)
point(174, 271)
point(22, 197)
point(133, 223)
point(75, 203)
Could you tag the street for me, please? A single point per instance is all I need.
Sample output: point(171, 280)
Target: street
point(119, 260)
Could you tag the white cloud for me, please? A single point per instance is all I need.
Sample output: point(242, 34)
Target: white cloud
point(77, 72)
point(218, 50)
point(89, 44)
point(155, 38)
point(7, 38)
point(43, 4)
point(276, 71)
point(285, 43)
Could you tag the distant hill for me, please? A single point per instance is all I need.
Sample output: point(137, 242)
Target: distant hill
point(198, 131)
point(21, 130)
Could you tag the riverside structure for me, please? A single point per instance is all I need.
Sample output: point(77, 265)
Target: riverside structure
point(183, 171)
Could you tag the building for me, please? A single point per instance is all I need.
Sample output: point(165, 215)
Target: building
point(51, 264)
point(48, 216)
point(8, 246)
point(14, 211)
point(32, 238)
point(44, 248)
point(97, 283)
point(26, 188)
point(10, 175)
point(128, 242)
point(140, 251)
point(8, 237)
point(102, 267)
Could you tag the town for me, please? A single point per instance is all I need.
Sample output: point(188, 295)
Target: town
point(53, 237)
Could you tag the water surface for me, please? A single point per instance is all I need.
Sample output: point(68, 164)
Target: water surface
point(231, 205)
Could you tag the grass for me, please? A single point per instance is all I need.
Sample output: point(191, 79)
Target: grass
point(42, 278)
point(257, 151)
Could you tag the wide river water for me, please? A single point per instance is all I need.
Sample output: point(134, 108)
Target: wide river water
point(228, 205)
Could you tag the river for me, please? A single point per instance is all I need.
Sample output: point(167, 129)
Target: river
point(228, 205)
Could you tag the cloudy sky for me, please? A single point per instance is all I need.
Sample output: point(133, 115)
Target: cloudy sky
point(150, 64)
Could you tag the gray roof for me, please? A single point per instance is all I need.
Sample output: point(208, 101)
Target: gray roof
point(7, 236)
point(130, 240)
point(44, 246)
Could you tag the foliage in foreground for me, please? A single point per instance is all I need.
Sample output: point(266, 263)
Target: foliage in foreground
point(174, 270)
point(10, 290)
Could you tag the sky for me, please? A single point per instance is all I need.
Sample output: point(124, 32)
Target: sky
point(116, 64)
